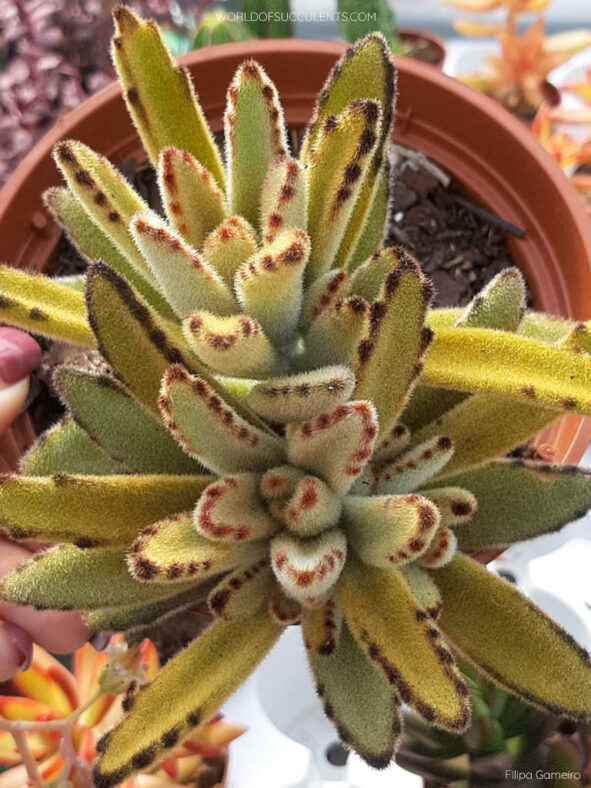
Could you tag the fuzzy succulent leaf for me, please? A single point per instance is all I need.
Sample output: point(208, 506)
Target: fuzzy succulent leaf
point(160, 99)
point(120, 618)
point(335, 445)
point(171, 552)
point(228, 246)
point(185, 184)
point(546, 328)
point(424, 590)
point(243, 592)
point(427, 403)
point(397, 321)
point(417, 662)
point(512, 641)
point(94, 244)
point(92, 510)
point(372, 232)
point(312, 508)
point(368, 278)
point(325, 292)
point(37, 304)
point(67, 448)
point(308, 568)
point(519, 500)
point(338, 166)
point(131, 434)
point(255, 135)
point(358, 700)
point(130, 336)
point(68, 578)
point(167, 709)
point(209, 429)
point(477, 440)
point(284, 197)
point(389, 530)
point(500, 305)
point(234, 345)
point(231, 510)
point(455, 505)
point(480, 359)
point(364, 71)
point(269, 284)
point(335, 333)
point(108, 199)
point(321, 628)
point(186, 279)
point(392, 445)
point(301, 397)
point(414, 468)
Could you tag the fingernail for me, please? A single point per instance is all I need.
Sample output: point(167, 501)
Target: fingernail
point(21, 642)
point(99, 640)
point(19, 355)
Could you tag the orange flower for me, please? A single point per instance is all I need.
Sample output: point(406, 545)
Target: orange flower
point(517, 74)
point(581, 88)
point(483, 6)
point(48, 693)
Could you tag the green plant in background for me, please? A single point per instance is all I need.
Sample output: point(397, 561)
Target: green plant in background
point(506, 741)
point(378, 15)
point(268, 18)
point(284, 428)
point(215, 28)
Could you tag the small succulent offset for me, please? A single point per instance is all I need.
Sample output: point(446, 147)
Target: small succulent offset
point(507, 743)
point(283, 426)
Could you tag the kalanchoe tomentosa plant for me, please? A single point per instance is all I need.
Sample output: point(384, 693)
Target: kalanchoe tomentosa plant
point(284, 428)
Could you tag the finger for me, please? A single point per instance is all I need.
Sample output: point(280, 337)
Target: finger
point(19, 355)
point(16, 650)
point(57, 631)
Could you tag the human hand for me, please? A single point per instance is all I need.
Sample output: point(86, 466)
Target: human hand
point(21, 626)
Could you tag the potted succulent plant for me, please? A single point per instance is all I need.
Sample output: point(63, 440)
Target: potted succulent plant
point(508, 742)
point(247, 439)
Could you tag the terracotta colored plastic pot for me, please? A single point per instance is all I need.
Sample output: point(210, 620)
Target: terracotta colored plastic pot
point(417, 39)
point(491, 153)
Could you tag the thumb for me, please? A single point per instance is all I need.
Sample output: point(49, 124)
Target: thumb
point(19, 355)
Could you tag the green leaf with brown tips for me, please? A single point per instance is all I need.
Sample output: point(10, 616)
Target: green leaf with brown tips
point(234, 345)
point(324, 293)
point(184, 184)
point(269, 285)
point(95, 245)
point(301, 397)
point(67, 448)
point(228, 246)
point(243, 592)
point(174, 703)
point(417, 662)
point(338, 167)
point(414, 468)
point(171, 552)
point(519, 500)
point(254, 134)
point(185, 278)
point(284, 197)
point(136, 343)
point(36, 304)
point(500, 305)
point(396, 321)
point(322, 627)
point(389, 530)
point(336, 445)
point(108, 199)
point(480, 359)
point(92, 510)
point(356, 696)
point(335, 334)
point(512, 641)
point(131, 434)
point(210, 430)
point(68, 578)
point(160, 98)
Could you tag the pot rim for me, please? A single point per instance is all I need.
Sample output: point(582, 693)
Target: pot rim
point(572, 433)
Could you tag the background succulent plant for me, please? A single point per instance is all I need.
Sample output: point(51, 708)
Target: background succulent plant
point(285, 428)
point(506, 741)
